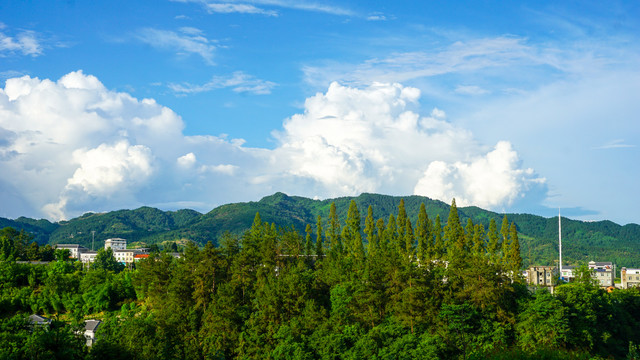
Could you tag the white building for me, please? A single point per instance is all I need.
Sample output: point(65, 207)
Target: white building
point(74, 249)
point(115, 244)
point(90, 328)
point(88, 256)
point(567, 273)
point(124, 256)
point(629, 277)
point(603, 272)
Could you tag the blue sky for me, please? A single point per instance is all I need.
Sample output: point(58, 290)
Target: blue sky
point(511, 106)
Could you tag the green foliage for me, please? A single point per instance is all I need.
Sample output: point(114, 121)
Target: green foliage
point(415, 291)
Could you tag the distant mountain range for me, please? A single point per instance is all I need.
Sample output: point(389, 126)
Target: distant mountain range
point(582, 241)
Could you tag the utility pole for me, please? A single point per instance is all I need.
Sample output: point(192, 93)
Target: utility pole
point(560, 241)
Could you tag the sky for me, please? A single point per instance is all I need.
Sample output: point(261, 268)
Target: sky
point(526, 107)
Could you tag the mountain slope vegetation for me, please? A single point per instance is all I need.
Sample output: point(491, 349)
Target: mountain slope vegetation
point(582, 241)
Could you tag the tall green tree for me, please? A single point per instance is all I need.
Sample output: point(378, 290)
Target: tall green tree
point(493, 245)
point(423, 235)
point(438, 245)
point(319, 244)
point(352, 235)
point(401, 220)
point(454, 233)
point(370, 232)
point(333, 232)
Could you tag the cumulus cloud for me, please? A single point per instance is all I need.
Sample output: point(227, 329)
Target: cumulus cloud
point(355, 140)
point(72, 145)
point(187, 41)
point(238, 81)
point(491, 181)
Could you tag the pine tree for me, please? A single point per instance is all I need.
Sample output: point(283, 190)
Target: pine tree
point(391, 234)
point(353, 237)
point(453, 231)
point(469, 230)
point(494, 241)
point(308, 243)
point(380, 233)
point(515, 260)
point(438, 245)
point(333, 234)
point(319, 245)
point(401, 220)
point(408, 241)
point(369, 230)
point(506, 242)
point(478, 239)
point(423, 234)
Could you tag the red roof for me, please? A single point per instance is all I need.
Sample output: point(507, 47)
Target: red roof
point(141, 256)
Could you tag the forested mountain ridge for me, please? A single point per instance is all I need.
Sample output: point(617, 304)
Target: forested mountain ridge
point(583, 241)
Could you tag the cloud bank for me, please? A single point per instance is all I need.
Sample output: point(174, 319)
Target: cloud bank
point(71, 146)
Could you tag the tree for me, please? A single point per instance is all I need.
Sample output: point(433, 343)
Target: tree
point(494, 241)
point(478, 239)
point(308, 243)
point(369, 230)
point(515, 260)
point(333, 233)
point(106, 261)
point(423, 234)
point(352, 235)
point(319, 245)
point(401, 221)
point(438, 246)
point(543, 323)
point(454, 233)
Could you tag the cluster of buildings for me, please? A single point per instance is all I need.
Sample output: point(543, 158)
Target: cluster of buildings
point(604, 273)
point(118, 245)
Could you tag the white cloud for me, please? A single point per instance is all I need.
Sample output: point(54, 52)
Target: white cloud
point(491, 181)
point(25, 42)
point(187, 161)
point(106, 168)
point(461, 56)
point(227, 8)
point(72, 146)
point(377, 17)
point(249, 7)
point(470, 90)
point(368, 140)
point(238, 81)
point(188, 41)
point(615, 144)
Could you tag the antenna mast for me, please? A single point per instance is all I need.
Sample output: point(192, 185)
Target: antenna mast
point(560, 241)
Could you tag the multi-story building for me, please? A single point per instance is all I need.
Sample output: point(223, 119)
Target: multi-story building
point(541, 275)
point(74, 249)
point(629, 278)
point(115, 244)
point(603, 272)
point(88, 256)
point(567, 273)
point(124, 256)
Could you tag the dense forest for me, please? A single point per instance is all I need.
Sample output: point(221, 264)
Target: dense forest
point(394, 286)
point(583, 241)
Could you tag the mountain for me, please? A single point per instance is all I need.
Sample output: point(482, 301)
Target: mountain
point(582, 241)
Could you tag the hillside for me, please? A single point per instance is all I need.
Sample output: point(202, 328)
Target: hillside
point(582, 241)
